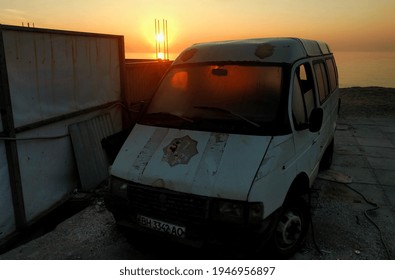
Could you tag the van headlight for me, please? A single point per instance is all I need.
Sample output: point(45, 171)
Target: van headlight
point(237, 212)
point(118, 187)
point(255, 212)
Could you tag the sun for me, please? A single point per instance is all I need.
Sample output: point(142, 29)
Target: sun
point(157, 37)
point(160, 38)
point(161, 55)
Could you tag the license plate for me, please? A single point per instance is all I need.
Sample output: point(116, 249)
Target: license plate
point(161, 226)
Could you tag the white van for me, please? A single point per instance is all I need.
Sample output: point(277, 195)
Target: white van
point(230, 144)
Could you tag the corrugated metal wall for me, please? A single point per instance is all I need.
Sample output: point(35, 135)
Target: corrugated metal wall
point(91, 159)
point(141, 81)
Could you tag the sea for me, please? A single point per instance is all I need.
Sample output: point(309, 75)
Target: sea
point(356, 69)
point(365, 69)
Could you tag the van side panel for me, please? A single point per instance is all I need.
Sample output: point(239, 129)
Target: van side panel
point(275, 174)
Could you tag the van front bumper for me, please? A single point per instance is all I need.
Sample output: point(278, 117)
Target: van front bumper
point(198, 215)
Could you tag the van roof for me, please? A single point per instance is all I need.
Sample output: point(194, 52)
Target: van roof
point(274, 50)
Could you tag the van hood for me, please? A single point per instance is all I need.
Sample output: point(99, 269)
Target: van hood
point(197, 162)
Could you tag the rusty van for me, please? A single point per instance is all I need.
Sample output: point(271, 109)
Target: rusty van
point(230, 144)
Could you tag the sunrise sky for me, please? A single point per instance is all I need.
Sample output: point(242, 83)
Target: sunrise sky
point(347, 25)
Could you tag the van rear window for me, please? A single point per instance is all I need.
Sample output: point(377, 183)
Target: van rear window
point(322, 80)
point(332, 74)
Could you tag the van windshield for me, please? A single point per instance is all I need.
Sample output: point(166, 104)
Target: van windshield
point(234, 98)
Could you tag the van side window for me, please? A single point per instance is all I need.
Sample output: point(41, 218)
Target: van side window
point(332, 74)
point(322, 80)
point(303, 101)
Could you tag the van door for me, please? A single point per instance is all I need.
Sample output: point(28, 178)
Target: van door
point(307, 147)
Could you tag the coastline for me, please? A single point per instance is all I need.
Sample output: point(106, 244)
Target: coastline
point(369, 102)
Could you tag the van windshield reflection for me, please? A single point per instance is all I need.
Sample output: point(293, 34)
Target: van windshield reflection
point(221, 110)
point(242, 96)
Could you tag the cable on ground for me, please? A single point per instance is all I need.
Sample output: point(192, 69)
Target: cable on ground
point(366, 213)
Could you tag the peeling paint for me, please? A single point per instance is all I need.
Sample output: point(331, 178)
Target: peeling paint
point(220, 137)
point(159, 183)
point(264, 50)
point(180, 151)
point(148, 150)
point(211, 159)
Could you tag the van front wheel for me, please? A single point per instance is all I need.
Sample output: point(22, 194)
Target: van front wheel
point(291, 228)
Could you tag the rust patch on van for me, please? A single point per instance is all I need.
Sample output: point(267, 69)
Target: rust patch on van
point(187, 55)
point(180, 151)
point(264, 50)
point(220, 137)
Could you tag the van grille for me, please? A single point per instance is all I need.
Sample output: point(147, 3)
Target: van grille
point(168, 205)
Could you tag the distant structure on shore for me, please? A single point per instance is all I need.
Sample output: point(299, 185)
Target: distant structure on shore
point(161, 39)
point(28, 24)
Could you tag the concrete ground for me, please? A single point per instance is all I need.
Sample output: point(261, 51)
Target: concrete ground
point(353, 204)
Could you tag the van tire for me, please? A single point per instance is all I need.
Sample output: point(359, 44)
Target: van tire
point(291, 228)
point(327, 158)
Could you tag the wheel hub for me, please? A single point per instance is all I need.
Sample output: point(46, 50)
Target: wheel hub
point(289, 228)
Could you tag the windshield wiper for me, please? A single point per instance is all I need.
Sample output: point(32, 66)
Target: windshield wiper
point(222, 110)
point(173, 115)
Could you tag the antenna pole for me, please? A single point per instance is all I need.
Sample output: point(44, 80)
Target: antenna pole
point(161, 39)
point(156, 40)
point(167, 43)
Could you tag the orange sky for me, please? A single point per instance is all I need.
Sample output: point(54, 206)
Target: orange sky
point(355, 25)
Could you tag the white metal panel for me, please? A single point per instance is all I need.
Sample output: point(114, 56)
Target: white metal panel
point(55, 74)
point(224, 165)
point(90, 157)
point(48, 169)
point(242, 156)
point(275, 175)
point(178, 177)
point(7, 220)
point(134, 144)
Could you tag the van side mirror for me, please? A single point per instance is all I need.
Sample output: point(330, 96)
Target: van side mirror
point(315, 119)
point(219, 72)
